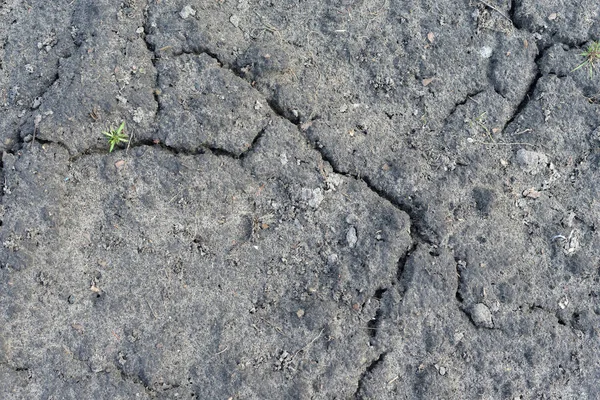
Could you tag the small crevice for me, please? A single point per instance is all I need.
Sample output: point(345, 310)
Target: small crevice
point(153, 57)
point(22, 145)
point(253, 144)
point(524, 101)
point(281, 112)
point(53, 80)
point(202, 149)
point(416, 227)
point(512, 13)
point(367, 371)
point(373, 324)
point(530, 90)
point(534, 82)
point(400, 272)
point(468, 97)
point(459, 266)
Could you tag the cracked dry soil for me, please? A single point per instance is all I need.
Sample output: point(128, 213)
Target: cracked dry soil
point(320, 200)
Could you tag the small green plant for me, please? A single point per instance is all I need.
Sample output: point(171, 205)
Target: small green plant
point(116, 136)
point(592, 55)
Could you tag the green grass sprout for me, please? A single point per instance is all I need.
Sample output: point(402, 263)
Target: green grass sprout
point(592, 55)
point(116, 136)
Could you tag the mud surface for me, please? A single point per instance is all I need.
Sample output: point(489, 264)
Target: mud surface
point(319, 200)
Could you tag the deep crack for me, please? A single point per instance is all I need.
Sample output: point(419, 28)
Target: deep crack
point(373, 324)
point(400, 272)
point(530, 90)
point(512, 14)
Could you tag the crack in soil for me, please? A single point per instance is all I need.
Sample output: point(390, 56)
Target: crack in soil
point(400, 276)
point(534, 82)
point(373, 324)
point(512, 13)
point(366, 372)
point(530, 90)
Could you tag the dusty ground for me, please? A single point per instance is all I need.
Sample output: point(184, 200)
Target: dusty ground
point(320, 200)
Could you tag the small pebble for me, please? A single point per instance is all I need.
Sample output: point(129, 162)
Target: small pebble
point(351, 237)
point(332, 258)
point(481, 316)
point(486, 52)
point(187, 11)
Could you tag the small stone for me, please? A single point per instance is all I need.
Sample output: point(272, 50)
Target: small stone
point(531, 161)
point(314, 197)
point(139, 30)
point(531, 193)
point(351, 237)
point(36, 103)
point(138, 115)
point(187, 11)
point(300, 313)
point(283, 158)
point(333, 181)
point(552, 16)
point(481, 316)
point(458, 336)
point(486, 52)
point(442, 371)
point(563, 303)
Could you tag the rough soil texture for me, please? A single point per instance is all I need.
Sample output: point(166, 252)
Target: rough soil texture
point(320, 200)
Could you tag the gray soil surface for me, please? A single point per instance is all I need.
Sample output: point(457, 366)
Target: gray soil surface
point(340, 199)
